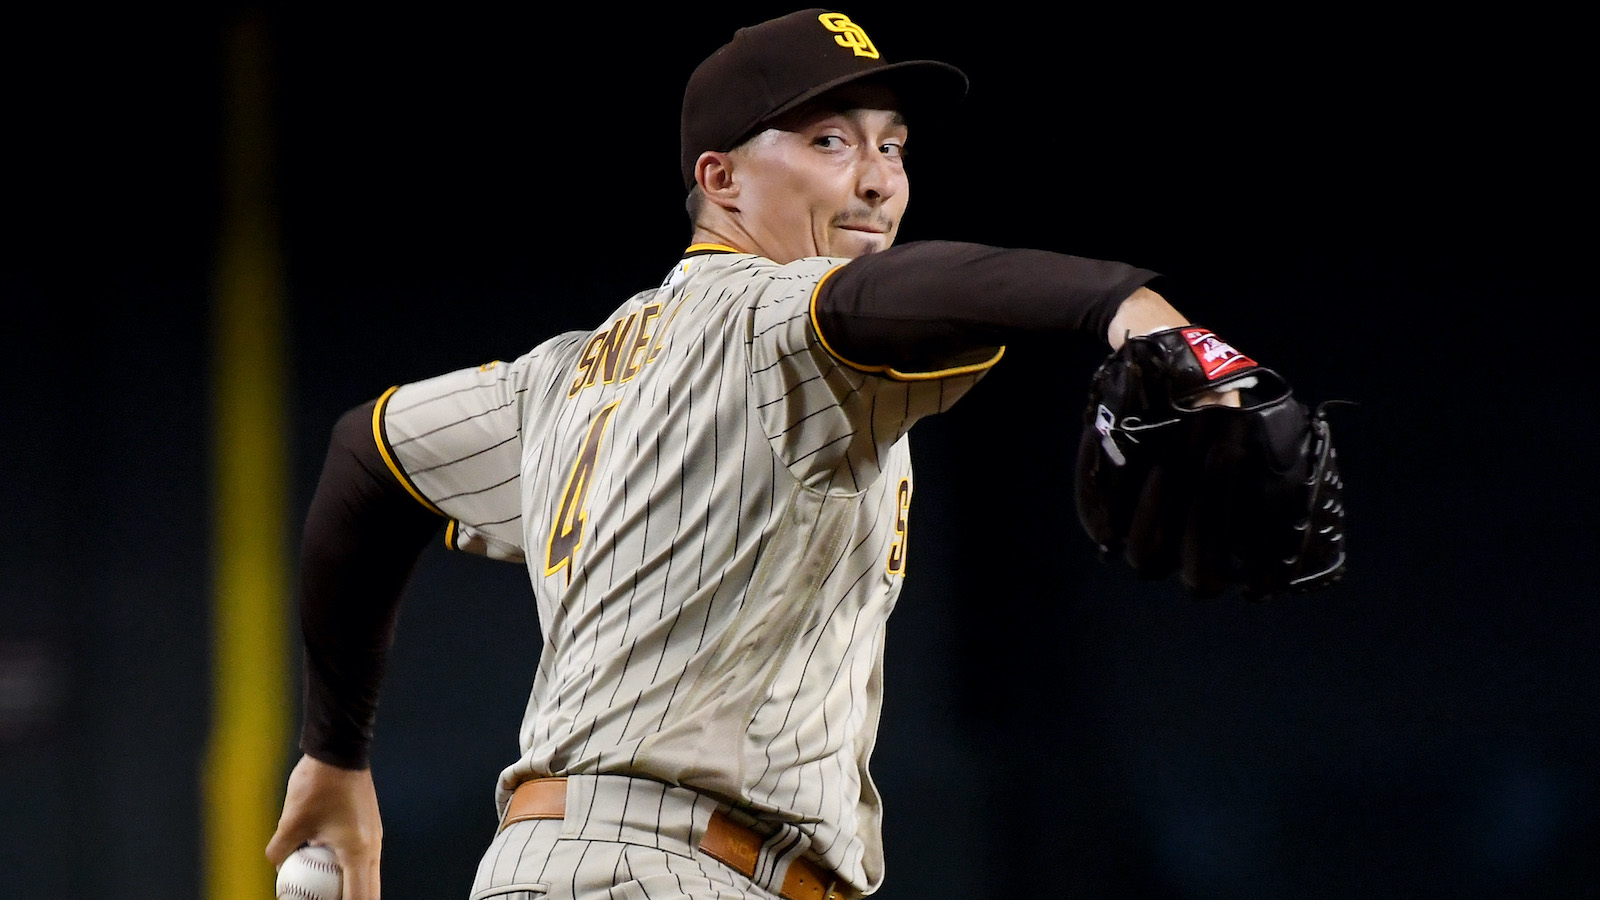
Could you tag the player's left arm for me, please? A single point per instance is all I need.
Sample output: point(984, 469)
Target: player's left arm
point(932, 305)
point(1153, 466)
point(925, 305)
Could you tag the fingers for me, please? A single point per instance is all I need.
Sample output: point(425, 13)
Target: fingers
point(282, 844)
point(361, 881)
point(336, 808)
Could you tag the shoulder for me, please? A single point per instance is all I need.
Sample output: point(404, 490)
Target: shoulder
point(757, 280)
point(554, 352)
point(556, 346)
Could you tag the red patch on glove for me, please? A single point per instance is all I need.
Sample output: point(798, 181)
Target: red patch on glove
point(1217, 358)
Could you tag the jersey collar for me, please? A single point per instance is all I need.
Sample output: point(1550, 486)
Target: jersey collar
point(706, 249)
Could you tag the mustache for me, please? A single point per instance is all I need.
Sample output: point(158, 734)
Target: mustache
point(863, 219)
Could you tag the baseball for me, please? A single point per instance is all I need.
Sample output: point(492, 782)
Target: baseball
point(310, 873)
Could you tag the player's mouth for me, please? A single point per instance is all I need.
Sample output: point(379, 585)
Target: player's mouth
point(869, 224)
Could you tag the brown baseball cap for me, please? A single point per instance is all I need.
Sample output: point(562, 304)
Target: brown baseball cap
point(771, 68)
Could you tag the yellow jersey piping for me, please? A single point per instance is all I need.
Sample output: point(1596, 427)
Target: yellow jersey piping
point(712, 248)
point(382, 440)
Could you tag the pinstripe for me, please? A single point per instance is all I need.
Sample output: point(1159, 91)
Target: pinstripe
point(825, 447)
point(447, 498)
point(623, 865)
point(507, 441)
point(728, 588)
point(453, 423)
point(700, 570)
point(578, 868)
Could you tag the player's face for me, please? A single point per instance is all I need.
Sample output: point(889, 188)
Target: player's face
point(828, 180)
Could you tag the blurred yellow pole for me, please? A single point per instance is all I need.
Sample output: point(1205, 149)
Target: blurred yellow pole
point(245, 762)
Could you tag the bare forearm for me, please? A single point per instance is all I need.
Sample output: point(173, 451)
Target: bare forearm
point(1142, 312)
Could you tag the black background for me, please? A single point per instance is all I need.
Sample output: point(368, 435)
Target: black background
point(1388, 211)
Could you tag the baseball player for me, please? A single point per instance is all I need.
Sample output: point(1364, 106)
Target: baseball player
point(711, 492)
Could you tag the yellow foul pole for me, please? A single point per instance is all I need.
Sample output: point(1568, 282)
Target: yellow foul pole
point(245, 762)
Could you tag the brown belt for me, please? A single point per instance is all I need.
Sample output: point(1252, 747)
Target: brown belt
point(726, 840)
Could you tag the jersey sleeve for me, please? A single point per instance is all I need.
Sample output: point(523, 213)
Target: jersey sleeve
point(831, 421)
point(455, 442)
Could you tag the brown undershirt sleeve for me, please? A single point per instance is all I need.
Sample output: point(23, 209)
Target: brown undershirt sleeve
point(362, 538)
point(925, 305)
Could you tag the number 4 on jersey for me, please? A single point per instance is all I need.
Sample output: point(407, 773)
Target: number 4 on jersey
point(566, 536)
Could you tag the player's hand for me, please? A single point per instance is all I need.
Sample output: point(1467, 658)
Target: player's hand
point(1195, 459)
point(337, 808)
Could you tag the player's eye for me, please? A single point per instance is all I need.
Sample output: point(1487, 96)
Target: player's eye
point(893, 150)
point(829, 142)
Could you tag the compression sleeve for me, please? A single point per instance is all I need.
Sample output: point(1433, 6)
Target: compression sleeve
point(928, 304)
point(363, 535)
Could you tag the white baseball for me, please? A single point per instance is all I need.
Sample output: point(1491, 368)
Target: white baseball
point(310, 873)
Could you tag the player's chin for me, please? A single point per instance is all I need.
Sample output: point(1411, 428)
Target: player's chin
point(855, 243)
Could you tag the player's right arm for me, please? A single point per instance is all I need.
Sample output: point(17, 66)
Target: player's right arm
point(362, 536)
point(337, 808)
point(396, 469)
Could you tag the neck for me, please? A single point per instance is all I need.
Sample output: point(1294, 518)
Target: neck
point(709, 233)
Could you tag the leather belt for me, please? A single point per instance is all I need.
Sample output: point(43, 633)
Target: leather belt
point(725, 840)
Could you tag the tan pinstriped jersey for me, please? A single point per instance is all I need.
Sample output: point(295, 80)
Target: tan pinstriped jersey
point(712, 508)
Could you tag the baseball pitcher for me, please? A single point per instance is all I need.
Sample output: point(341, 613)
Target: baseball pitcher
point(712, 489)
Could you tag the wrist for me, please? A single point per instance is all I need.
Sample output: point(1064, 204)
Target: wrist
point(1143, 312)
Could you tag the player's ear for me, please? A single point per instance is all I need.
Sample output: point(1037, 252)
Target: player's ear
point(714, 173)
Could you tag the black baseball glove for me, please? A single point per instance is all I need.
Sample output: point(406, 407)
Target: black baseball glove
point(1246, 496)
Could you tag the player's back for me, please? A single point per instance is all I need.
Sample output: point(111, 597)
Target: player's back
point(711, 567)
point(712, 509)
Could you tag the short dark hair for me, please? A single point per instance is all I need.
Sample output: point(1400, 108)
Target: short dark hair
point(694, 203)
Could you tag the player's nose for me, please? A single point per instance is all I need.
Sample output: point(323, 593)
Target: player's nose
point(878, 177)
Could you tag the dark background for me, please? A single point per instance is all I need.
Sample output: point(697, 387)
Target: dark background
point(1386, 211)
